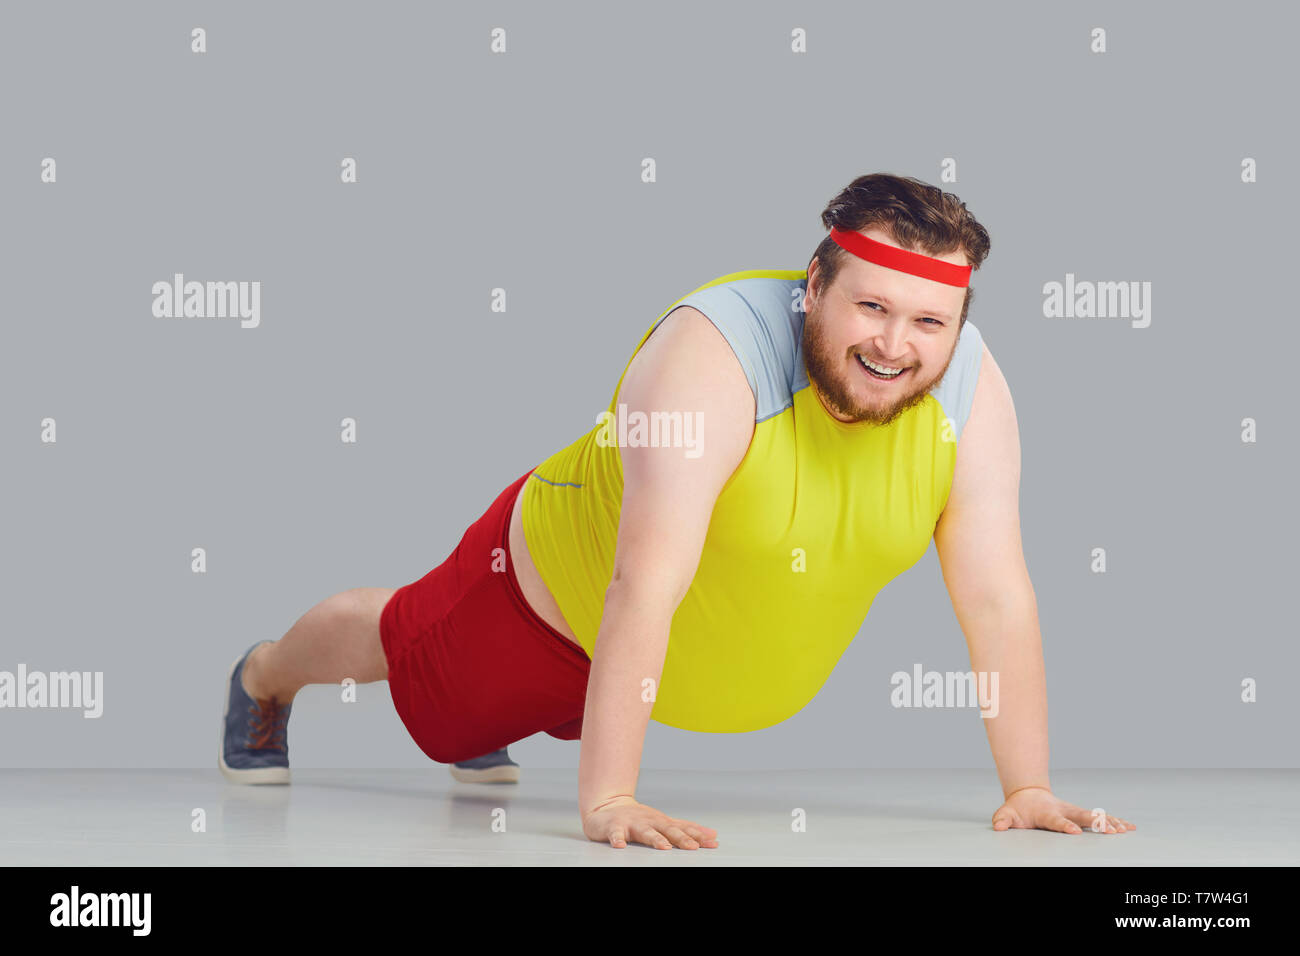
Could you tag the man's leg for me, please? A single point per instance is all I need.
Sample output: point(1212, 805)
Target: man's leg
point(337, 638)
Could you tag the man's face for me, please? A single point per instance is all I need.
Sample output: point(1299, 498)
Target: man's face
point(893, 319)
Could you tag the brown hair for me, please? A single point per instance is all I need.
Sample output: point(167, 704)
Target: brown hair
point(919, 217)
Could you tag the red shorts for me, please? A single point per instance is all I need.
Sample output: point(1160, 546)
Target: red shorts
point(471, 666)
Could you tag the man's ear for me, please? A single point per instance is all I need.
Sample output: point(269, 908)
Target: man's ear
point(814, 276)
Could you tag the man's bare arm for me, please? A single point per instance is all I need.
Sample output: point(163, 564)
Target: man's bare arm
point(979, 544)
point(667, 503)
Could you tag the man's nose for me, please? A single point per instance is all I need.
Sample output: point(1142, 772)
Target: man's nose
point(890, 343)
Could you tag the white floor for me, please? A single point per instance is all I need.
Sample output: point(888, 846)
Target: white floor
point(423, 817)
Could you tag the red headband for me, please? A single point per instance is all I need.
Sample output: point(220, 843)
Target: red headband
point(893, 257)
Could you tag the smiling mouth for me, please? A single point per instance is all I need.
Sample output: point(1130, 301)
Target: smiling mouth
point(874, 370)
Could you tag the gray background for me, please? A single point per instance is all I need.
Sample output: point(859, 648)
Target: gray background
point(522, 171)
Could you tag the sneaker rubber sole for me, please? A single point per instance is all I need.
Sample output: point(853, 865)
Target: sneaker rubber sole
point(501, 774)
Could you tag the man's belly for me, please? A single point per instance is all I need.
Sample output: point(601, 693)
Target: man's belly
point(530, 582)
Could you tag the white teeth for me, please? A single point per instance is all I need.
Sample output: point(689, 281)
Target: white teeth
point(882, 369)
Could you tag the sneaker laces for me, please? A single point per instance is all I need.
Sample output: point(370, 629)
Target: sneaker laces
point(268, 725)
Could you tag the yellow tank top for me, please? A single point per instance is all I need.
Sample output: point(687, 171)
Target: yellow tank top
point(818, 517)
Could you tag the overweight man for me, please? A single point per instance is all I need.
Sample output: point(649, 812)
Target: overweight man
point(781, 445)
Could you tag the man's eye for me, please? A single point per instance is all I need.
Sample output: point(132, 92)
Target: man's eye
point(927, 318)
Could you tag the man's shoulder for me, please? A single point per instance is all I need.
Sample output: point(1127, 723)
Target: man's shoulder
point(760, 314)
point(956, 390)
point(992, 408)
point(767, 292)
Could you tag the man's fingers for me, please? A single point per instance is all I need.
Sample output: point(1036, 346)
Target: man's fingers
point(703, 835)
point(1109, 824)
point(692, 827)
point(1080, 817)
point(1063, 823)
point(680, 837)
point(659, 831)
point(1004, 819)
point(1066, 819)
point(652, 837)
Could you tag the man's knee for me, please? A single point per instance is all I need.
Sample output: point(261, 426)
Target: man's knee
point(358, 612)
point(360, 606)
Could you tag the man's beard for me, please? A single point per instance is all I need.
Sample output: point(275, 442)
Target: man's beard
point(827, 372)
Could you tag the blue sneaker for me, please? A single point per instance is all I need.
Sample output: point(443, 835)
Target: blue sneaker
point(254, 744)
point(496, 767)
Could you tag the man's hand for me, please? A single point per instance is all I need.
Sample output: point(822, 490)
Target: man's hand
point(1037, 808)
point(623, 818)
